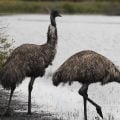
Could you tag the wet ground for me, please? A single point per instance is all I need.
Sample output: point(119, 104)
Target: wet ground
point(20, 109)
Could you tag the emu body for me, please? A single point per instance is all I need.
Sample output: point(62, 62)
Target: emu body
point(29, 60)
point(87, 67)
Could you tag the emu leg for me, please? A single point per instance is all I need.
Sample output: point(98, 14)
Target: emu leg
point(98, 108)
point(85, 108)
point(83, 92)
point(7, 112)
point(29, 94)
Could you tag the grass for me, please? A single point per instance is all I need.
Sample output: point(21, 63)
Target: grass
point(20, 109)
point(86, 7)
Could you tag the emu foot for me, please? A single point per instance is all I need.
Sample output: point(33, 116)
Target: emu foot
point(99, 111)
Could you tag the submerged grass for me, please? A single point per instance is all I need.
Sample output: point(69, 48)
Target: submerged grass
point(85, 7)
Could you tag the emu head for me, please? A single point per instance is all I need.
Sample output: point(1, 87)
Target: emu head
point(56, 78)
point(55, 13)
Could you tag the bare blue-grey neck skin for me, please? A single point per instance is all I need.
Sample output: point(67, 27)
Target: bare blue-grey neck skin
point(52, 29)
point(53, 15)
point(52, 33)
point(53, 22)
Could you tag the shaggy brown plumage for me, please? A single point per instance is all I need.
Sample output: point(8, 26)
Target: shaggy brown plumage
point(87, 67)
point(27, 60)
point(30, 60)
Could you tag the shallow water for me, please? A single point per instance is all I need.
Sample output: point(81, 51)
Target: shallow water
point(76, 33)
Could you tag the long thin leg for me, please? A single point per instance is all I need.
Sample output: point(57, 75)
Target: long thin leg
point(83, 92)
point(98, 108)
point(29, 94)
point(8, 107)
point(85, 108)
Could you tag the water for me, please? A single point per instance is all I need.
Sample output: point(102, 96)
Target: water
point(76, 33)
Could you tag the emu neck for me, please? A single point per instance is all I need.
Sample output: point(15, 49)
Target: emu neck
point(52, 33)
point(52, 20)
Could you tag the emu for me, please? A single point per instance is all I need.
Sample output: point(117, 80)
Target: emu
point(87, 67)
point(29, 60)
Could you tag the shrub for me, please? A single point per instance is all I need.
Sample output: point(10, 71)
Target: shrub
point(5, 45)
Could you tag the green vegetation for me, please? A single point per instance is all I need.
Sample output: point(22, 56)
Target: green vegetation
point(5, 46)
point(109, 7)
